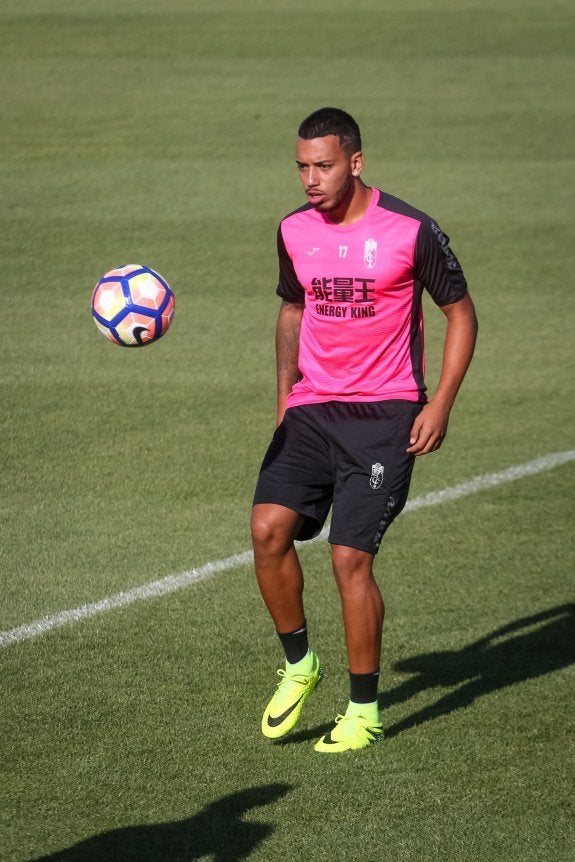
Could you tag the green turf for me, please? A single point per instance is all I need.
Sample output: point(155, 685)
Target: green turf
point(134, 131)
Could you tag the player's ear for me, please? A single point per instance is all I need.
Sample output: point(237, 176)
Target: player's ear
point(357, 163)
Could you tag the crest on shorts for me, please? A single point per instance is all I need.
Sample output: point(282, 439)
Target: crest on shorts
point(376, 479)
point(370, 253)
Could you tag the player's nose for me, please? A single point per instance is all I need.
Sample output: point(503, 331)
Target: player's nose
point(311, 179)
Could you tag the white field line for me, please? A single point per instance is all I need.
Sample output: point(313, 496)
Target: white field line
point(172, 583)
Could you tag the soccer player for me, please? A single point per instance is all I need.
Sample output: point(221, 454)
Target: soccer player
point(352, 410)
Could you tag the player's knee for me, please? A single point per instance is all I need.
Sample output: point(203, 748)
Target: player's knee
point(272, 531)
point(350, 564)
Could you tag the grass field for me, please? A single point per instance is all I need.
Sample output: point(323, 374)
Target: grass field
point(162, 133)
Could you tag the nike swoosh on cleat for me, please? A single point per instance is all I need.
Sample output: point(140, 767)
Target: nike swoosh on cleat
point(275, 722)
point(375, 736)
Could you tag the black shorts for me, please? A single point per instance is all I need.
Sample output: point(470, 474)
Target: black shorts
point(343, 454)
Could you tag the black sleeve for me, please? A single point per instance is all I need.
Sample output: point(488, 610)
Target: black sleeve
point(436, 267)
point(288, 287)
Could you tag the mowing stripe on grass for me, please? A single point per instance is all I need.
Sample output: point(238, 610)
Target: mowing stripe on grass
point(172, 583)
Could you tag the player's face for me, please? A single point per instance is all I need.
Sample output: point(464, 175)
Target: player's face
point(327, 172)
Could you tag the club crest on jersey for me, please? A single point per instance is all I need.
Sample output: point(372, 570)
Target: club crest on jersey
point(370, 253)
point(376, 480)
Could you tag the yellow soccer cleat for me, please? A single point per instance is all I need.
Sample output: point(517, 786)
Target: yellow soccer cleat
point(284, 709)
point(351, 732)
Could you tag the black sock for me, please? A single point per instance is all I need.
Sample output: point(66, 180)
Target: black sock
point(363, 687)
point(295, 644)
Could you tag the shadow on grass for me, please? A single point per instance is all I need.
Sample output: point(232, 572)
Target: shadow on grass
point(304, 735)
point(217, 830)
point(524, 649)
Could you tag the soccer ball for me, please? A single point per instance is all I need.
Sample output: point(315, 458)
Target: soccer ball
point(133, 305)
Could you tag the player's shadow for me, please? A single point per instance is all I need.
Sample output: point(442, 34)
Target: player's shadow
point(524, 649)
point(218, 830)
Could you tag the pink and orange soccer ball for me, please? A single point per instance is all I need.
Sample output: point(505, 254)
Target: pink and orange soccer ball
point(133, 305)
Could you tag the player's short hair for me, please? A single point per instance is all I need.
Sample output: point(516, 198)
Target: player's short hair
point(332, 121)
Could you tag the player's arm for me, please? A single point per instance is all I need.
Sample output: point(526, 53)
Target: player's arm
point(430, 427)
point(287, 352)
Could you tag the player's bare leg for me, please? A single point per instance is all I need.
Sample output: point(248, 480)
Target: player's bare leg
point(363, 612)
point(362, 607)
point(278, 569)
point(280, 580)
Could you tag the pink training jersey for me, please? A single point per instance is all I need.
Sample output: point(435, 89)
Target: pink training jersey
point(361, 336)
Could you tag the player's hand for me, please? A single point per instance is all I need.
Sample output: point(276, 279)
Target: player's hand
point(429, 429)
